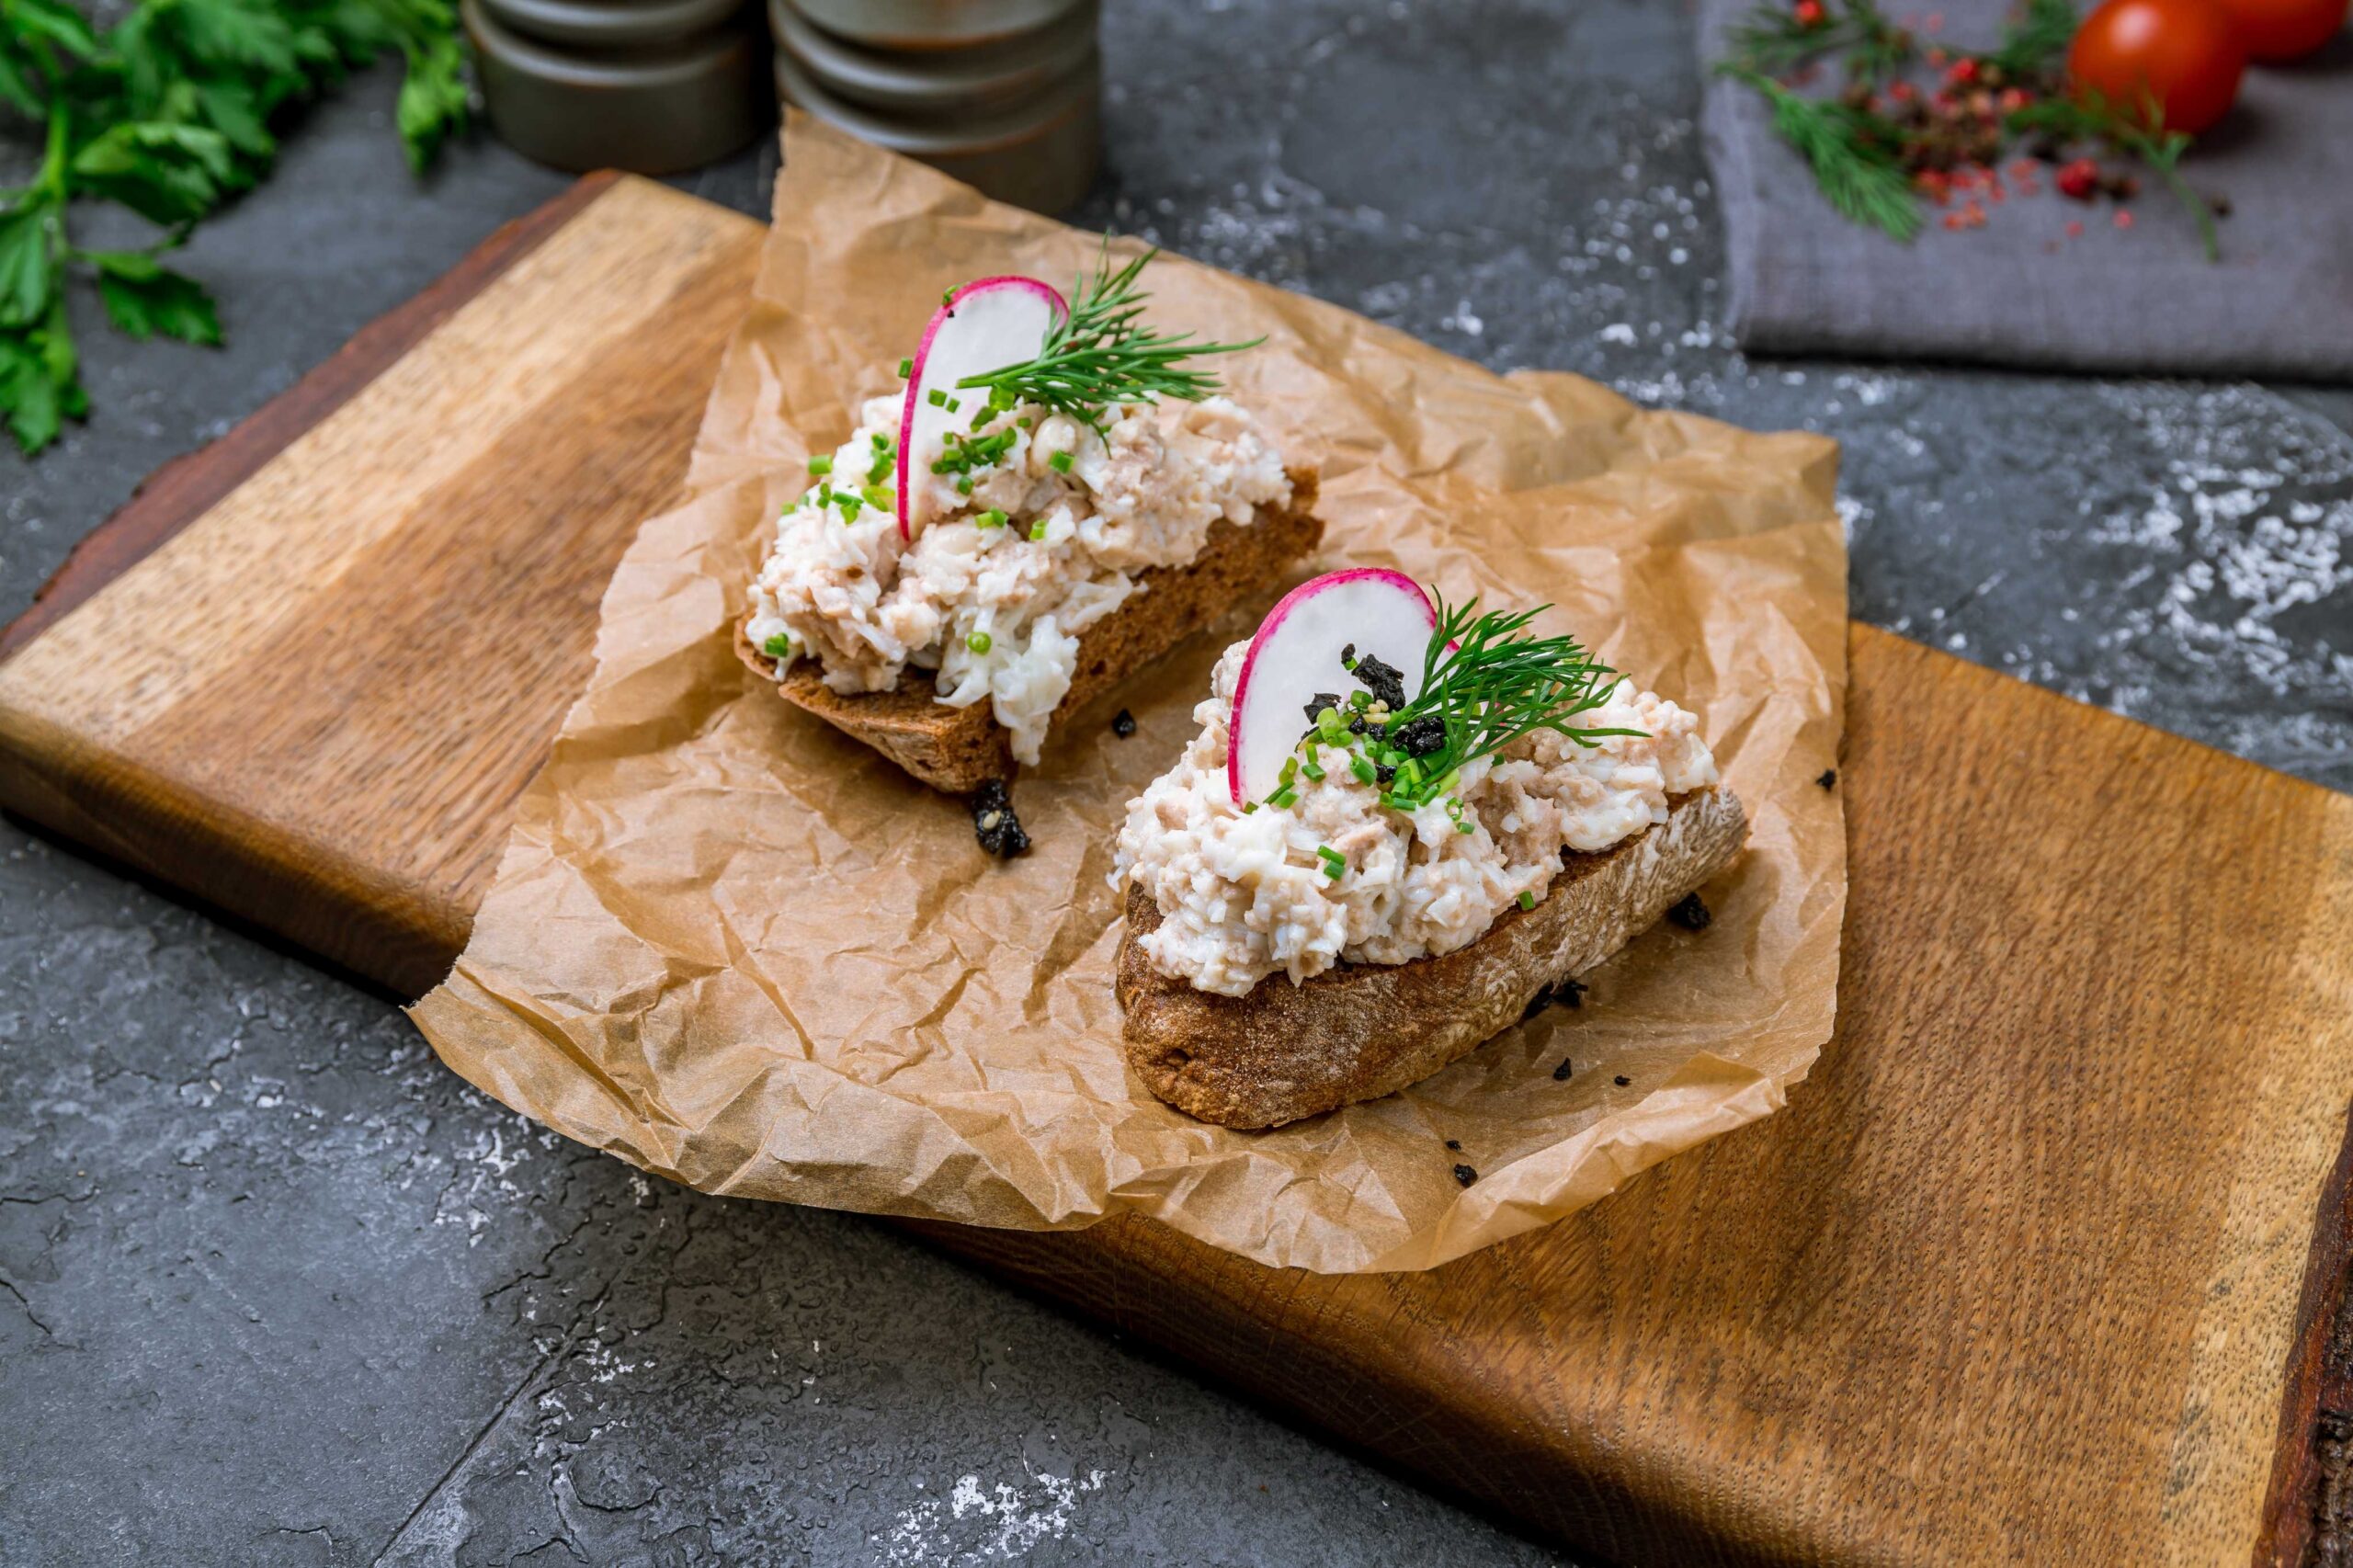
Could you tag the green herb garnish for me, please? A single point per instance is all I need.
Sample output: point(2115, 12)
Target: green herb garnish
point(1335, 865)
point(1488, 682)
point(1037, 532)
point(1059, 463)
point(1527, 899)
point(979, 642)
point(821, 466)
point(1101, 354)
point(169, 113)
point(991, 518)
point(779, 647)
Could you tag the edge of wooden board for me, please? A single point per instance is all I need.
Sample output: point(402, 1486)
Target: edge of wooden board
point(190, 484)
point(2320, 1379)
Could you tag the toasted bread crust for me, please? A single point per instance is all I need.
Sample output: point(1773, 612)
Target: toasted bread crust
point(1355, 1033)
point(958, 749)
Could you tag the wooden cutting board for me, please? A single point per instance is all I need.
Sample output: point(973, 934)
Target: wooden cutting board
point(2039, 1266)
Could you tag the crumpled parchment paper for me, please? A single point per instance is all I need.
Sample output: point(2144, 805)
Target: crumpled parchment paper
point(733, 947)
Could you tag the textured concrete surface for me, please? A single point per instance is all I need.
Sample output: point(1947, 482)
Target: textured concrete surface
point(274, 1289)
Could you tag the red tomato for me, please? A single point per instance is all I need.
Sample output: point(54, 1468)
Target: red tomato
point(2284, 30)
point(2182, 53)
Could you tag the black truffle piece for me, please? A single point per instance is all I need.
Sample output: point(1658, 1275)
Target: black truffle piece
point(1691, 914)
point(1385, 684)
point(1383, 773)
point(1465, 1175)
point(1321, 700)
point(1123, 724)
point(1421, 736)
point(994, 823)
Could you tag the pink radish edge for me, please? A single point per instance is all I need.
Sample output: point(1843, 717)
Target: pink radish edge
point(1312, 588)
point(923, 354)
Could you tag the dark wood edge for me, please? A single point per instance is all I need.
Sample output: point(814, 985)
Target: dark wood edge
point(2319, 1399)
point(193, 483)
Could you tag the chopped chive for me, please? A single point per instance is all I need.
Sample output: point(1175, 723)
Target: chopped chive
point(1335, 863)
point(824, 495)
point(1283, 797)
point(1059, 463)
point(821, 466)
point(1249, 806)
point(778, 646)
point(978, 642)
point(1362, 768)
point(1315, 772)
point(1027, 423)
point(849, 508)
point(991, 518)
point(1358, 699)
point(906, 369)
point(1037, 532)
point(1466, 827)
point(882, 500)
point(1290, 772)
point(1527, 899)
point(936, 398)
point(964, 485)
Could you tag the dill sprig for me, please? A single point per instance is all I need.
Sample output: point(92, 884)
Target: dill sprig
point(2035, 42)
point(1849, 152)
point(1102, 354)
point(1489, 682)
point(1773, 38)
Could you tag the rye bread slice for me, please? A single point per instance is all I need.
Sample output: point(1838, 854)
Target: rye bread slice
point(958, 749)
point(1363, 1031)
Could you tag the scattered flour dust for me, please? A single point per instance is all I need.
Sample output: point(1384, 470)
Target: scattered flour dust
point(2245, 529)
point(971, 1526)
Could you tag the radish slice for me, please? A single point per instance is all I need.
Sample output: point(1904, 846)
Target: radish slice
point(984, 325)
point(1296, 657)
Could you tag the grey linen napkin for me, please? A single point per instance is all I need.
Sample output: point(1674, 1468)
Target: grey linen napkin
point(2019, 290)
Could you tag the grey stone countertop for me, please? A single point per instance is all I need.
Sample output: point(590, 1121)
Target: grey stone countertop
point(275, 1288)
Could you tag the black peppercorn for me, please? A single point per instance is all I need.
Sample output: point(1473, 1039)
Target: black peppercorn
point(1385, 682)
point(1465, 1175)
point(997, 829)
point(1455, 1145)
point(1621, 1080)
point(1421, 736)
point(1561, 1073)
point(1123, 724)
point(1691, 914)
point(1829, 779)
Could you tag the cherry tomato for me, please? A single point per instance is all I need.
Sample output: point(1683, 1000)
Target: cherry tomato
point(2284, 30)
point(2185, 54)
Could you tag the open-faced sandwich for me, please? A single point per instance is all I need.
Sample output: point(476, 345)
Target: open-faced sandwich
point(1058, 496)
point(1470, 816)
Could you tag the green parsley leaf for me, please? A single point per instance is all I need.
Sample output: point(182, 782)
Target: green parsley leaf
point(25, 267)
point(161, 300)
point(433, 98)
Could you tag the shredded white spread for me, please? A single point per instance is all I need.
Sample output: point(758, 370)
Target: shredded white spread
point(1244, 896)
point(995, 611)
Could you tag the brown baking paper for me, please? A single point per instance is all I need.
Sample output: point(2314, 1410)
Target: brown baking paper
point(733, 947)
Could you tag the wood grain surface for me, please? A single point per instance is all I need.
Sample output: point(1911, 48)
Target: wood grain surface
point(2045, 1263)
point(309, 670)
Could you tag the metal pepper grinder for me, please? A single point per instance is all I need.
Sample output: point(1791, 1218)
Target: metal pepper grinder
point(1005, 95)
point(650, 86)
